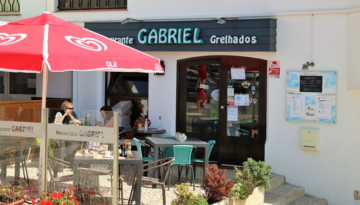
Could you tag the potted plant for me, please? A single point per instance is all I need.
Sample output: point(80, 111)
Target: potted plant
point(186, 197)
point(63, 198)
point(129, 132)
point(13, 193)
point(216, 186)
point(250, 184)
point(140, 123)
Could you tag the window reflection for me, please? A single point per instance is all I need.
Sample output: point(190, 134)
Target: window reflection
point(247, 114)
point(202, 104)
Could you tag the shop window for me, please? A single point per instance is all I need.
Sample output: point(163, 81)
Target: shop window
point(129, 93)
point(23, 83)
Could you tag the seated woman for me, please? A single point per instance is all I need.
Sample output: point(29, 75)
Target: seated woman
point(66, 116)
point(107, 114)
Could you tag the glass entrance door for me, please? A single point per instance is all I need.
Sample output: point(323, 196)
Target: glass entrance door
point(242, 103)
point(213, 104)
point(244, 118)
point(199, 89)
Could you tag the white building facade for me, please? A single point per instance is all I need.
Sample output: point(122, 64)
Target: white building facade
point(324, 32)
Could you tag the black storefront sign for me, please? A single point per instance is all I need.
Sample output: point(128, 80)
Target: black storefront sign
point(234, 35)
point(311, 84)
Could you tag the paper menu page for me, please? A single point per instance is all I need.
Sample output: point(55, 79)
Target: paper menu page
point(323, 107)
point(230, 92)
point(232, 113)
point(242, 100)
point(238, 73)
point(297, 106)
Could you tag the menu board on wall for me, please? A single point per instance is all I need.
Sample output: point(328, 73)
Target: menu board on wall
point(311, 83)
point(311, 97)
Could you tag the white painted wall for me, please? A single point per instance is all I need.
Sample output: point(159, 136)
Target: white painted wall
point(59, 85)
point(353, 50)
point(89, 90)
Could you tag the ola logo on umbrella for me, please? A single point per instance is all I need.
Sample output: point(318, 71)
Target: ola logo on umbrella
point(158, 67)
point(87, 43)
point(6, 39)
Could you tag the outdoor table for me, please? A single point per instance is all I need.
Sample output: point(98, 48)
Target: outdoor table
point(5, 143)
point(89, 159)
point(170, 142)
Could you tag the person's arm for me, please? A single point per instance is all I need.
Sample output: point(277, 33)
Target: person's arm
point(97, 122)
point(74, 120)
point(59, 118)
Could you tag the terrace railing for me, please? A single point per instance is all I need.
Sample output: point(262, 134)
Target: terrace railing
point(9, 6)
point(91, 4)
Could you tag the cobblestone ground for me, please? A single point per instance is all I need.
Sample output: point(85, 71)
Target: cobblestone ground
point(149, 195)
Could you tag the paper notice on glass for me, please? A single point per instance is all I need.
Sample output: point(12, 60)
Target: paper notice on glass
point(323, 107)
point(297, 106)
point(232, 113)
point(230, 92)
point(238, 73)
point(230, 100)
point(242, 100)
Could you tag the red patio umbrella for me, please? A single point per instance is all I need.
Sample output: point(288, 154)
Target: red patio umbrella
point(46, 41)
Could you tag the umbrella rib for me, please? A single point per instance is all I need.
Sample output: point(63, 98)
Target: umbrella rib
point(46, 44)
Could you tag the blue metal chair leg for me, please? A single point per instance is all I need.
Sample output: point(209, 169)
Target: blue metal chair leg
point(192, 169)
point(194, 166)
point(187, 172)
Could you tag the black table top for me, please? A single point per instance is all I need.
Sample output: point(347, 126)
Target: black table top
point(150, 131)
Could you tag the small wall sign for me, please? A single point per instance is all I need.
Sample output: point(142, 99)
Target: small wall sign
point(274, 69)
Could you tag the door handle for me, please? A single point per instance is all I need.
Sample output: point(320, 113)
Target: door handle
point(222, 107)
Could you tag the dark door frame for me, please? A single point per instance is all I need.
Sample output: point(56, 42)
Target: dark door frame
point(224, 60)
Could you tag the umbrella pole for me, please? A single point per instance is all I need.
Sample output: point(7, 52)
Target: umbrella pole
point(44, 86)
point(43, 140)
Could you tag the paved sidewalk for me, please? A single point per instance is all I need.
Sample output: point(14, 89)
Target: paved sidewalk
point(149, 195)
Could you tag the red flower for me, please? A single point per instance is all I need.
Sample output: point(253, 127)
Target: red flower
point(139, 118)
point(44, 192)
point(33, 201)
point(53, 195)
point(59, 196)
point(135, 123)
point(76, 203)
point(73, 198)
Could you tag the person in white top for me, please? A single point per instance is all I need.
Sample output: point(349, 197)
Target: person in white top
point(66, 116)
point(107, 114)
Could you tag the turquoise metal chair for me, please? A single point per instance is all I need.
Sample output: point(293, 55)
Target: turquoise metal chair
point(196, 160)
point(138, 146)
point(182, 155)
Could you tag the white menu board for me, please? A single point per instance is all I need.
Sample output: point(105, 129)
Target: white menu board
point(311, 96)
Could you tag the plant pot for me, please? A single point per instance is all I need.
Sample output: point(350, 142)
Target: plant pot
point(20, 202)
point(256, 198)
point(140, 127)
